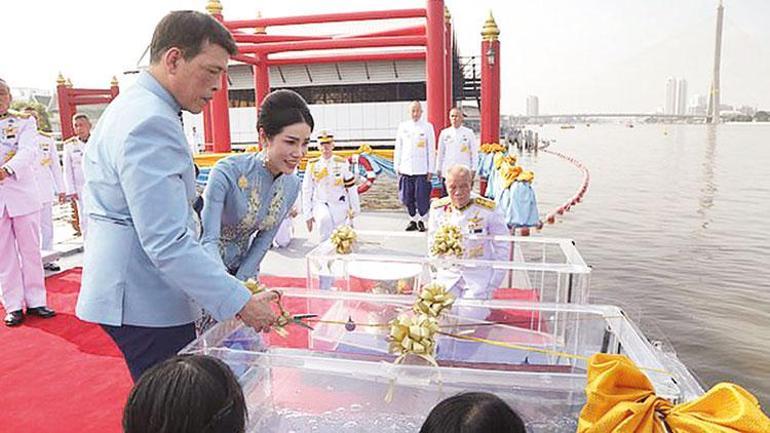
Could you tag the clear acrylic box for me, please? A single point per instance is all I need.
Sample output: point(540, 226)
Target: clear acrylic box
point(538, 270)
point(335, 378)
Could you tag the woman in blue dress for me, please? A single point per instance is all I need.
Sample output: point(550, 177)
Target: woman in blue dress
point(248, 195)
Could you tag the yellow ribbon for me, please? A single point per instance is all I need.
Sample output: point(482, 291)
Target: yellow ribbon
point(343, 238)
point(364, 148)
point(448, 240)
point(620, 399)
point(509, 175)
point(433, 300)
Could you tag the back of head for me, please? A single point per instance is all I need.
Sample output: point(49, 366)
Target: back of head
point(473, 412)
point(282, 108)
point(186, 394)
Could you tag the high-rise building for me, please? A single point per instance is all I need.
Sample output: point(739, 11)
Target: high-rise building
point(670, 106)
point(681, 96)
point(533, 106)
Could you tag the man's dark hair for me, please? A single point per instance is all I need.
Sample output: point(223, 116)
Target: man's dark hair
point(280, 109)
point(186, 394)
point(189, 31)
point(473, 412)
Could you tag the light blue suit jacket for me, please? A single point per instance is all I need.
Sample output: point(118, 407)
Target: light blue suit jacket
point(243, 206)
point(143, 264)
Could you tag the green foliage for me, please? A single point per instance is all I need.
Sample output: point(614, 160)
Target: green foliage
point(44, 124)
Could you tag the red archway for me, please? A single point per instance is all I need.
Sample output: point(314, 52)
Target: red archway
point(431, 41)
point(70, 98)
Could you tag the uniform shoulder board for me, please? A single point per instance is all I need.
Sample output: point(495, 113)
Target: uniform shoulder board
point(314, 160)
point(484, 202)
point(19, 114)
point(338, 158)
point(350, 182)
point(441, 202)
point(45, 134)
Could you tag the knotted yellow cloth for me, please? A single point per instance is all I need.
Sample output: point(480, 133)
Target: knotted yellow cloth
point(620, 399)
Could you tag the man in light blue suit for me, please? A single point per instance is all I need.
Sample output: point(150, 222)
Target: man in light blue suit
point(145, 276)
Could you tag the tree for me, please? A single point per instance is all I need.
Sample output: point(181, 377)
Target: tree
point(762, 116)
point(44, 124)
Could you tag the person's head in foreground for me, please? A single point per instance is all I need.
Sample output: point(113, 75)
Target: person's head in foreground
point(284, 126)
point(186, 394)
point(459, 183)
point(473, 412)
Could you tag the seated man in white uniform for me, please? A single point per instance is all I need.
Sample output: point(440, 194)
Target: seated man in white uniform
point(475, 216)
point(329, 194)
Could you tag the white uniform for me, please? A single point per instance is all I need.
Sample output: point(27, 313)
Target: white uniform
point(415, 149)
point(329, 194)
point(21, 267)
point(74, 149)
point(285, 231)
point(50, 185)
point(457, 146)
point(479, 218)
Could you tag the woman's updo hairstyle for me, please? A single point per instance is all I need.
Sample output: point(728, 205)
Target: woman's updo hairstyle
point(280, 109)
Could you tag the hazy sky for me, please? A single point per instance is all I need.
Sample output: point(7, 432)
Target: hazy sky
point(575, 55)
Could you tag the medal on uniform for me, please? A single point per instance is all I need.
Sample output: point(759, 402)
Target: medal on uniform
point(464, 148)
point(421, 144)
point(243, 183)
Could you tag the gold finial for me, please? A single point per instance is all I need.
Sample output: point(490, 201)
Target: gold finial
point(68, 83)
point(259, 30)
point(114, 82)
point(490, 32)
point(447, 15)
point(60, 81)
point(214, 7)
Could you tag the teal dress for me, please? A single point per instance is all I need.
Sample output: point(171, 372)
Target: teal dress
point(243, 206)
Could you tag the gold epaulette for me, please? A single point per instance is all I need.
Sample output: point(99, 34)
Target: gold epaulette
point(19, 114)
point(313, 161)
point(338, 158)
point(350, 182)
point(45, 134)
point(484, 202)
point(441, 202)
point(72, 139)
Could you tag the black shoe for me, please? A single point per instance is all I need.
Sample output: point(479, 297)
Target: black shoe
point(43, 312)
point(412, 226)
point(421, 226)
point(53, 267)
point(14, 318)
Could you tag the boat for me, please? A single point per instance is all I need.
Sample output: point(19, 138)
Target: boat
point(570, 126)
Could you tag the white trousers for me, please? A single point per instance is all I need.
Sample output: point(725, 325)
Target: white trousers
point(284, 234)
point(328, 217)
point(46, 227)
point(21, 266)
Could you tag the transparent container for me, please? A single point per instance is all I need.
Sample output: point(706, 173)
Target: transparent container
point(335, 378)
point(537, 269)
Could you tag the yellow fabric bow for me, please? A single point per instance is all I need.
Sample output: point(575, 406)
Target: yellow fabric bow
point(509, 175)
point(620, 399)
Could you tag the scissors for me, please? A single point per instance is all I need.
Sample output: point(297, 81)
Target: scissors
point(297, 319)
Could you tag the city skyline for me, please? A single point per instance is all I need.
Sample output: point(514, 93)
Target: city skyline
point(611, 60)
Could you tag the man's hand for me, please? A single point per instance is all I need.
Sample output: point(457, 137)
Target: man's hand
point(3, 174)
point(62, 197)
point(258, 313)
point(292, 213)
point(429, 176)
point(310, 224)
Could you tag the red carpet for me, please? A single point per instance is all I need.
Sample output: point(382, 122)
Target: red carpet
point(61, 375)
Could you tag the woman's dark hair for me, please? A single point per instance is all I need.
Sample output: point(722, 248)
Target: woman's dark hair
point(186, 394)
point(473, 412)
point(188, 31)
point(280, 109)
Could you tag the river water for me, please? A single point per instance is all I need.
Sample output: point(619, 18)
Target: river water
point(675, 225)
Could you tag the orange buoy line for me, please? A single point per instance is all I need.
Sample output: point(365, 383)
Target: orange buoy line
point(578, 196)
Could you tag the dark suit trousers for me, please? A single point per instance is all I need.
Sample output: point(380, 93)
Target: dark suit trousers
point(143, 347)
